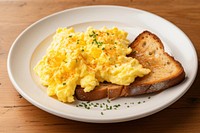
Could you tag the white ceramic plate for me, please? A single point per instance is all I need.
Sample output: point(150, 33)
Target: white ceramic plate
point(31, 45)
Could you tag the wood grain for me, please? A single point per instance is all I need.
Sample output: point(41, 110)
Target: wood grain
point(18, 115)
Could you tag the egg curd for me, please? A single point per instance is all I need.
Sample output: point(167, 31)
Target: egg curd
point(86, 59)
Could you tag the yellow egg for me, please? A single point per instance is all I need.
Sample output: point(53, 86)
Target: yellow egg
point(86, 59)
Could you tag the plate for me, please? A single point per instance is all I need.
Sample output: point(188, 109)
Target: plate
point(31, 45)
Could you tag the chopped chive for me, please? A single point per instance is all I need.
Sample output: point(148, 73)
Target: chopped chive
point(70, 35)
point(64, 83)
point(102, 113)
point(133, 52)
point(77, 42)
point(100, 43)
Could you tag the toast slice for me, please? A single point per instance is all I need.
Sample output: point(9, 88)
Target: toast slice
point(149, 51)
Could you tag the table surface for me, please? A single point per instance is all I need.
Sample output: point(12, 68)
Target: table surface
point(18, 115)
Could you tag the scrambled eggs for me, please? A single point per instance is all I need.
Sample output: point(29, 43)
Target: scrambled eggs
point(86, 59)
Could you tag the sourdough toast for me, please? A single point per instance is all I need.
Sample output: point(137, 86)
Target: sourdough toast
point(149, 51)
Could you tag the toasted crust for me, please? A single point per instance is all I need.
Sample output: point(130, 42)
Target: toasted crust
point(149, 51)
point(99, 92)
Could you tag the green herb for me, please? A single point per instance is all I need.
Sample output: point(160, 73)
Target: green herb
point(82, 50)
point(128, 106)
point(64, 61)
point(102, 113)
point(103, 48)
point(70, 35)
point(139, 102)
point(107, 33)
point(149, 97)
point(108, 101)
point(64, 83)
point(93, 34)
point(133, 52)
point(100, 43)
point(77, 41)
point(95, 41)
point(117, 105)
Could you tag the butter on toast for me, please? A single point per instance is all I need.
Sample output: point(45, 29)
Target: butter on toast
point(149, 51)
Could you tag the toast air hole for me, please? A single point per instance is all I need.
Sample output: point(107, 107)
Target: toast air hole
point(144, 44)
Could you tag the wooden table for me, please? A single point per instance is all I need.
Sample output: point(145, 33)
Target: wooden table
point(18, 115)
